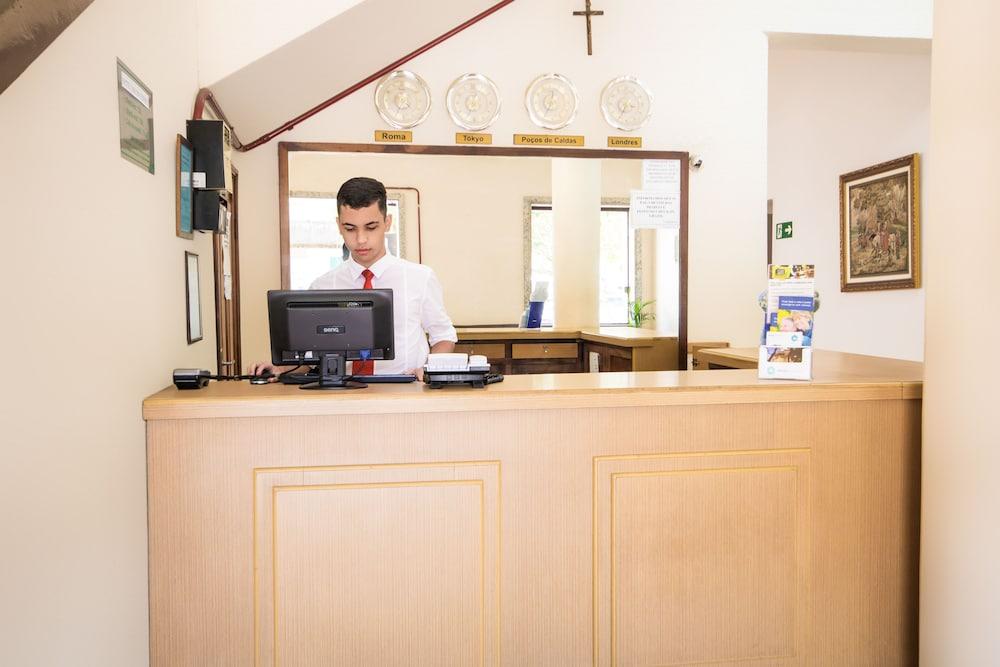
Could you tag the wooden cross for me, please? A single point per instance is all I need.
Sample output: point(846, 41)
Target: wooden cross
point(588, 13)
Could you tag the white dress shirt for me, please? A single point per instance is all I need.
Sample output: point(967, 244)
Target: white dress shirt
point(417, 306)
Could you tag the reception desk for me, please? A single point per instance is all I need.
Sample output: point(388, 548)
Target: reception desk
point(659, 518)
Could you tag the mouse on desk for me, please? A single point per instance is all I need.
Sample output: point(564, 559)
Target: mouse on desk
point(263, 378)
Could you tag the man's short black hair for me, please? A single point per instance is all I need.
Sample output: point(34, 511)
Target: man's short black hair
point(360, 192)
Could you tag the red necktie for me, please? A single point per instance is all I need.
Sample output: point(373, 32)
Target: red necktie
point(365, 367)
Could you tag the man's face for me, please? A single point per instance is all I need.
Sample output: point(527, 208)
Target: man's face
point(364, 231)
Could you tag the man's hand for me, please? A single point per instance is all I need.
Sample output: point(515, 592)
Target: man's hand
point(419, 372)
point(261, 366)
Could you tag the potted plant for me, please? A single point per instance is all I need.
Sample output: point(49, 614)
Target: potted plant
point(637, 314)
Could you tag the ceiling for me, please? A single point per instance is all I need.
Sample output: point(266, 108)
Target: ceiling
point(27, 28)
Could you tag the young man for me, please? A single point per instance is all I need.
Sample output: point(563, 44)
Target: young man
point(418, 302)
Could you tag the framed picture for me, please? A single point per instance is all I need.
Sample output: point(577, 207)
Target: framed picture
point(184, 161)
point(193, 299)
point(880, 226)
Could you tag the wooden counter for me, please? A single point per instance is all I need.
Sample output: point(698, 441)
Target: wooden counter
point(591, 519)
point(552, 350)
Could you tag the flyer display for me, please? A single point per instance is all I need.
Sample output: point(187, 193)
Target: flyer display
point(786, 339)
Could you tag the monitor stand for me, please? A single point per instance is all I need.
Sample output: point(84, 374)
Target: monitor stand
point(331, 374)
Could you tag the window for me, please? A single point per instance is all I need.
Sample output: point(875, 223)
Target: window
point(617, 266)
point(542, 259)
point(314, 242)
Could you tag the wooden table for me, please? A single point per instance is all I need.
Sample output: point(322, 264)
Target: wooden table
point(558, 520)
point(553, 350)
point(726, 357)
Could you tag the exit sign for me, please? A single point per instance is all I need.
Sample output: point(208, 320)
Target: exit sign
point(783, 230)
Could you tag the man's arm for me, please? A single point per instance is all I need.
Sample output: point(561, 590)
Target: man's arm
point(442, 347)
point(434, 318)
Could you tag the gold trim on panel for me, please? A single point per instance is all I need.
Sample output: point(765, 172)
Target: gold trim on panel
point(481, 483)
point(717, 452)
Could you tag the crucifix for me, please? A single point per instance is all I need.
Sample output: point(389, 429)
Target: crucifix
point(588, 13)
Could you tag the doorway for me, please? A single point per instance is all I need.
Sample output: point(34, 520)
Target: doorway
point(226, 253)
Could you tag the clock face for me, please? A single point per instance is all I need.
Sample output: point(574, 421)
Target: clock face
point(403, 99)
point(473, 102)
point(626, 103)
point(552, 101)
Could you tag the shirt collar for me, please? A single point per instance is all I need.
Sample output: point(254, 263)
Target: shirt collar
point(378, 268)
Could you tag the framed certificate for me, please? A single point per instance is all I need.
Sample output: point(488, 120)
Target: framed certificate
point(193, 297)
point(184, 161)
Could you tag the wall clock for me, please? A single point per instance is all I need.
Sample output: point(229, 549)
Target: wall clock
point(626, 103)
point(552, 101)
point(473, 102)
point(403, 99)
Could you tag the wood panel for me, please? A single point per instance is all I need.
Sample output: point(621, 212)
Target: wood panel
point(492, 351)
point(857, 468)
point(675, 535)
point(544, 351)
point(379, 565)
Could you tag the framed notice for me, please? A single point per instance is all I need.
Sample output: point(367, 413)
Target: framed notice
point(135, 119)
point(184, 161)
point(193, 297)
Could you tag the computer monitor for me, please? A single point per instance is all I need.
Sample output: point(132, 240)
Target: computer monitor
point(327, 328)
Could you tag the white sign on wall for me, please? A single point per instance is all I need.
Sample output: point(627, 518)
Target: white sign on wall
point(654, 209)
point(662, 175)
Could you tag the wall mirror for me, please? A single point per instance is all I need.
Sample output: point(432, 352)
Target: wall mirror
point(482, 218)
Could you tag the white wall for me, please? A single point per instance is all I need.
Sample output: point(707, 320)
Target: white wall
point(93, 303)
point(831, 112)
point(233, 33)
point(960, 532)
point(705, 62)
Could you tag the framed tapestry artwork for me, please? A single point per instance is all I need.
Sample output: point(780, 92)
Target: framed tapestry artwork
point(184, 166)
point(192, 300)
point(880, 226)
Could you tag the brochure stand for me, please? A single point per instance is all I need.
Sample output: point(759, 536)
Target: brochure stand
point(786, 340)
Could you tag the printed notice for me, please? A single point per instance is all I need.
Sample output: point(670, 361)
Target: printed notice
point(654, 209)
point(662, 175)
point(135, 119)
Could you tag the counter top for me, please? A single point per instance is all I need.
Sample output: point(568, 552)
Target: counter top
point(621, 336)
point(836, 376)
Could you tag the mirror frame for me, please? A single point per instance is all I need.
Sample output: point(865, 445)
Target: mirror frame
point(286, 147)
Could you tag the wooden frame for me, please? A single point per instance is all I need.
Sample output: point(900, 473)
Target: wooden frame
point(192, 298)
point(184, 188)
point(285, 147)
point(880, 226)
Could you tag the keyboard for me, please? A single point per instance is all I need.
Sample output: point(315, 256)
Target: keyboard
point(377, 379)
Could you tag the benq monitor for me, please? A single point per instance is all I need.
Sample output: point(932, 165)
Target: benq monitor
point(327, 328)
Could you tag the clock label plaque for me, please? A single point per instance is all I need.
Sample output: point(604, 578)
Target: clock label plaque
point(624, 142)
point(548, 140)
point(473, 138)
point(394, 136)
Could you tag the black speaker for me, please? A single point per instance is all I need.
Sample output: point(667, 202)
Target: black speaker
point(210, 210)
point(212, 145)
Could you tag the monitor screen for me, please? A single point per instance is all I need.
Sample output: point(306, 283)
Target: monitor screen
point(307, 324)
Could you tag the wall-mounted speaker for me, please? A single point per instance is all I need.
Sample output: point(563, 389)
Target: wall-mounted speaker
point(212, 145)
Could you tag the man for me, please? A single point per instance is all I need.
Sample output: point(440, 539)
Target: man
point(418, 302)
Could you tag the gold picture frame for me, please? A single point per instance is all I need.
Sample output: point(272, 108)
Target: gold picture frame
point(880, 226)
